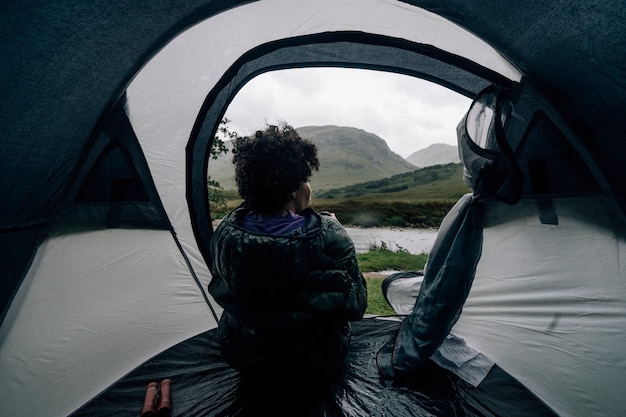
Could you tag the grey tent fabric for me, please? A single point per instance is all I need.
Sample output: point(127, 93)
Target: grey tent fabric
point(113, 187)
point(576, 57)
point(447, 281)
point(65, 68)
point(56, 58)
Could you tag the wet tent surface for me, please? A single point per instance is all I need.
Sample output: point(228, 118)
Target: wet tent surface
point(204, 385)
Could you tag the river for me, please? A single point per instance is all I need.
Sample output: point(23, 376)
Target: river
point(415, 241)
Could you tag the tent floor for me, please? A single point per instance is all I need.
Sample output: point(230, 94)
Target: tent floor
point(204, 385)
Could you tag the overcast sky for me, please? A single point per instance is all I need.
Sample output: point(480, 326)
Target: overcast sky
point(408, 113)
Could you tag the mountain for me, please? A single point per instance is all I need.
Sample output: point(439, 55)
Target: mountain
point(347, 156)
point(435, 154)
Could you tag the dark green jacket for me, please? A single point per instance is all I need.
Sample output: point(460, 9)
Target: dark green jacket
point(287, 300)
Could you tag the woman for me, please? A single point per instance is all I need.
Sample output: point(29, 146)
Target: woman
point(286, 276)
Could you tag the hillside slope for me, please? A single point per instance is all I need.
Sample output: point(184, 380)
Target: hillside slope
point(435, 154)
point(420, 198)
point(347, 156)
point(437, 182)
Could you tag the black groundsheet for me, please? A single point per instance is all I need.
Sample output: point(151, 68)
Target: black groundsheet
point(204, 385)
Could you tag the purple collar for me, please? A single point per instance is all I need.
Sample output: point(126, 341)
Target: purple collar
point(287, 225)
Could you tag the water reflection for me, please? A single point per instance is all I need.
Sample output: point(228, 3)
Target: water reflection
point(415, 241)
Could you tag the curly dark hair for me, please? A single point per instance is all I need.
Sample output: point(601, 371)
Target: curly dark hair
point(271, 165)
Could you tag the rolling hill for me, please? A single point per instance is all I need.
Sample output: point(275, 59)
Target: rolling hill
point(347, 156)
point(419, 198)
point(437, 182)
point(435, 154)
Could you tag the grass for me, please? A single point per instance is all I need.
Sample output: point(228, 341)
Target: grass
point(376, 303)
point(380, 258)
point(435, 183)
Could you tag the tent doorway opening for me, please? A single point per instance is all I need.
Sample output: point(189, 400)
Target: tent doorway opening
point(368, 125)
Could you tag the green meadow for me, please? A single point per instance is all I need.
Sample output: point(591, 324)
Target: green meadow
point(381, 258)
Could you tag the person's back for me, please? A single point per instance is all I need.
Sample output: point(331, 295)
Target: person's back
point(286, 276)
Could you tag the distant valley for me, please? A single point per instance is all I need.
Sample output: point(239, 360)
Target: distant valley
point(349, 156)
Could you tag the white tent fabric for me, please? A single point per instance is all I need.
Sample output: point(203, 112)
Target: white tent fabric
point(93, 307)
point(401, 294)
point(560, 331)
point(548, 302)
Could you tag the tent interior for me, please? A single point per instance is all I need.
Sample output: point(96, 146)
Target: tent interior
point(110, 112)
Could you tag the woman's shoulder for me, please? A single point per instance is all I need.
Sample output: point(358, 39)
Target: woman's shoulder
point(329, 219)
point(333, 229)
